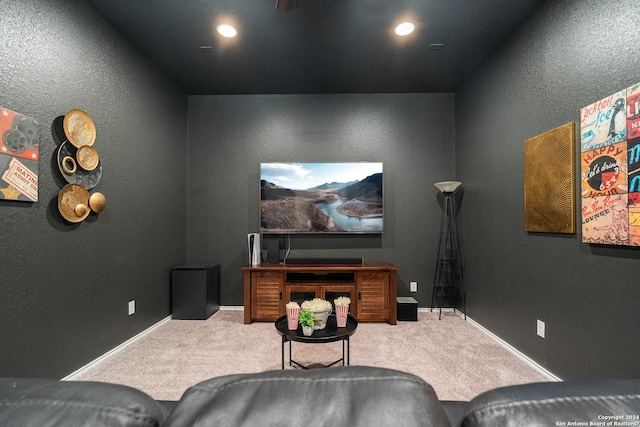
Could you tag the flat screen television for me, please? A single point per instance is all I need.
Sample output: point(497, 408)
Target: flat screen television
point(321, 198)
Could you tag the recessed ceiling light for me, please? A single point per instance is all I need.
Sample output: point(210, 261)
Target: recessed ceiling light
point(404, 29)
point(226, 30)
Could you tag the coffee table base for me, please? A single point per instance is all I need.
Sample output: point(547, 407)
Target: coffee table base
point(330, 333)
point(345, 343)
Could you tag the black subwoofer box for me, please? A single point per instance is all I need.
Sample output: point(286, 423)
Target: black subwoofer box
point(407, 309)
point(195, 291)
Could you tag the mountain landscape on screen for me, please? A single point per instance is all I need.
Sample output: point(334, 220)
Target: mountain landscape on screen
point(354, 206)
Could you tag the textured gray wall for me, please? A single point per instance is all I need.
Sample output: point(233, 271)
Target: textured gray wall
point(229, 136)
point(64, 288)
point(569, 54)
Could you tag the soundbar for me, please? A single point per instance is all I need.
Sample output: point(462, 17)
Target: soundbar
point(319, 261)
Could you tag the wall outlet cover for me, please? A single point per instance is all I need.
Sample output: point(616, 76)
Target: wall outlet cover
point(540, 328)
point(132, 307)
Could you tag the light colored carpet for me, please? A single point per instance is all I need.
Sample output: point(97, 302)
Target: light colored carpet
point(454, 356)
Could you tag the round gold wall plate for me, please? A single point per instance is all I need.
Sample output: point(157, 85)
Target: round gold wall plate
point(73, 200)
point(79, 128)
point(88, 157)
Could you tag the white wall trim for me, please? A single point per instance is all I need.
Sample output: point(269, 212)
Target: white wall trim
point(232, 307)
point(496, 338)
point(502, 342)
point(515, 351)
point(113, 351)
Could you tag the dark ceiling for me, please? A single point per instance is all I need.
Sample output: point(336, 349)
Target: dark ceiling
point(322, 46)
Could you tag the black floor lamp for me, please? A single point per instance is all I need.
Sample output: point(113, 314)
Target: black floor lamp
point(449, 264)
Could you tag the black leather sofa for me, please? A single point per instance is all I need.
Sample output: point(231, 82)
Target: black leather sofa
point(343, 396)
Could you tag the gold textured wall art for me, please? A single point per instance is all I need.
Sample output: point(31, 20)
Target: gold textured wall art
point(549, 185)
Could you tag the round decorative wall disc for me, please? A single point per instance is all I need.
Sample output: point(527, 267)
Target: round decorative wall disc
point(73, 202)
point(87, 178)
point(97, 202)
point(79, 128)
point(87, 157)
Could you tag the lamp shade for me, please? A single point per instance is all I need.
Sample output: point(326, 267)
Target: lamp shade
point(448, 186)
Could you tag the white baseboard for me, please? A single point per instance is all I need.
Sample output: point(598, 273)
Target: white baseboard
point(232, 307)
point(502, 342)
point(89, 365)
point(496, 338)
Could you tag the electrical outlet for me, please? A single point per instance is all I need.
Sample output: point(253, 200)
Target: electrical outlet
point(540, 328)
point(132, 307)
point(413, 286)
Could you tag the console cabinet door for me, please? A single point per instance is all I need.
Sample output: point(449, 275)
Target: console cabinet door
point(266, 295)
point(301, 293)
point(373, 296)
point(331, 292)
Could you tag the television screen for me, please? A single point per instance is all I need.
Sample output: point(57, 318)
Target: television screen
point(321, 197)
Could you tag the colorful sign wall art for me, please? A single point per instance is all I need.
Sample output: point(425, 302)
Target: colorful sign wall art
point(19, 156)
point(610, 169)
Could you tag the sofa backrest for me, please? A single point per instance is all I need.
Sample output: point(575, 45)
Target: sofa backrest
point(340, 396)
point(35, 402)
point(588, 403)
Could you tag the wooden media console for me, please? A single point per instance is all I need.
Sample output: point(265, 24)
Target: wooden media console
point(372, 287)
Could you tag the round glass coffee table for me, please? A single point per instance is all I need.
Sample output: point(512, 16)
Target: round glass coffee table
point(330, 333)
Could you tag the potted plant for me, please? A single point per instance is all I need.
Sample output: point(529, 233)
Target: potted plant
point(306, 319)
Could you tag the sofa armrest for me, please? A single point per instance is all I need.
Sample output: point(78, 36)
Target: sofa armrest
point(555, 403)
point(341, 396)
point(49, 403)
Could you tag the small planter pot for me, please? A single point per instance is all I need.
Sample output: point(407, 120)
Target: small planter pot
point(307, 331)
